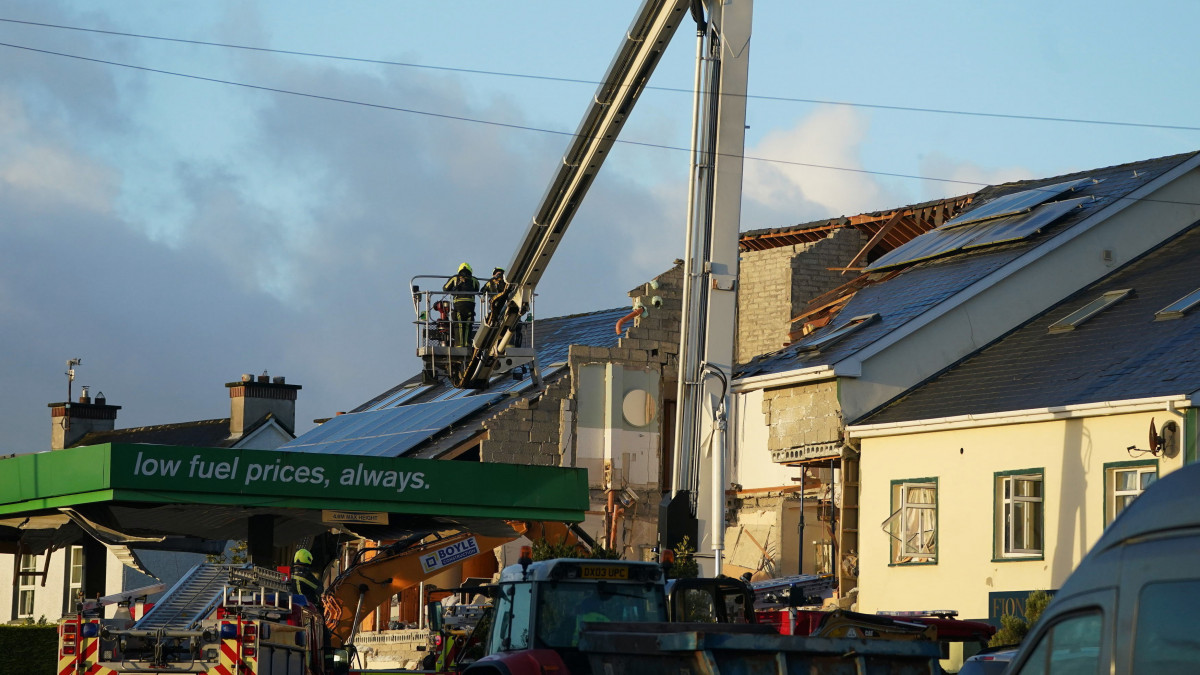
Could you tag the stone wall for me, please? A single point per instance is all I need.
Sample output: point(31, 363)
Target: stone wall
point(776, 284)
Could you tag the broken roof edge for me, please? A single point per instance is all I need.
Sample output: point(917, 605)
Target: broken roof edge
point(839, 222)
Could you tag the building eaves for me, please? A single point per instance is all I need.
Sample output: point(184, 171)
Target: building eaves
point(906, 296)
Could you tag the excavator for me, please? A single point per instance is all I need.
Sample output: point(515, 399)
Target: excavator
point(377, 574)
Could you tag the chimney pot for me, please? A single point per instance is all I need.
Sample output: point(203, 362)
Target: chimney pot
point(83, 395)
point(100, 400)
point(247, 377)
point(278, 379)
point(264, 378)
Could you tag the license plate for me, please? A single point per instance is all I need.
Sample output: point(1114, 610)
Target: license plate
point(603, 572)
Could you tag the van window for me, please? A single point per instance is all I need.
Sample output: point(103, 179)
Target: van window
point(1165, 639)
point(1070, 647)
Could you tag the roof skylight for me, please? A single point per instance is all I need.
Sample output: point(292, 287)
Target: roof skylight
point(837, 334)
point(1177, 309)
point(1076, 318)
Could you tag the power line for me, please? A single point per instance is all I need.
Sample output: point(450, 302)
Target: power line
point(461, 118)
point(520, 127)
point(548, 78)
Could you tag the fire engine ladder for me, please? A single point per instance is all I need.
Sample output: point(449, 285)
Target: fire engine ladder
point(190, 600)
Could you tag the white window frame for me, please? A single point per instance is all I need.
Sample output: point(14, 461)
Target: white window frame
point(1010, 503)
point(916, 522)
point(1112, 495)
point(26, 585)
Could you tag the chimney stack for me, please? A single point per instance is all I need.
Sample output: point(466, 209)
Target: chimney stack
point(252, 398)
point(70, 422)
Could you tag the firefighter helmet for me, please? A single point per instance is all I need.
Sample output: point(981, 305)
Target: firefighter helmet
point(465, 266)
point(303, 557)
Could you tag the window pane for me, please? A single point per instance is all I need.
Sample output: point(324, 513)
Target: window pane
point(1165, 639)
point(1020, 524)
point(25, 607)
point(1122, 502)
point(1126, 480)
point(1148, 478)
point(1071, 647)
point(1035, 527)
point(1029, 488)
point(921, 495)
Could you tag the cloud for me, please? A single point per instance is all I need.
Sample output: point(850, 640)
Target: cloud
point(972, 175)
point(784, 193)
point(177, 234)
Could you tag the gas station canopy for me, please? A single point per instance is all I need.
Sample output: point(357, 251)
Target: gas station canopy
point(185, 498)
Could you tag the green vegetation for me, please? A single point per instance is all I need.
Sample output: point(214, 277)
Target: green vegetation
point(548, 550)
point(1013, 628)
point(685, 565)
point(31, 649)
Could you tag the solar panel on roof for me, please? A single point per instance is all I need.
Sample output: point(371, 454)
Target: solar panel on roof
point(1020, 227)
point(390, 432)
point(399, 397)
point(928, 245)
point(1011, 204)
point(995, 231)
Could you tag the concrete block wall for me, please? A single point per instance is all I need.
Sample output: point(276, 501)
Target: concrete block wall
point(529, 431)
point(800, 417)
point(776, 284)
point(656, 333)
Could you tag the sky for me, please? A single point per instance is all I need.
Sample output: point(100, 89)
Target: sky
point(176, 214)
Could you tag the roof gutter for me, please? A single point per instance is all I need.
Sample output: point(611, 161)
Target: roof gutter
point(787, 378)
point(1171, 404)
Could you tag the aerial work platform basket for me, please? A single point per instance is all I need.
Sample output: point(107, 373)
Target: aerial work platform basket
point(450, 341)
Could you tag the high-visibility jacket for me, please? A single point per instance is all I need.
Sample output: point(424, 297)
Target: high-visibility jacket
point(463, 285)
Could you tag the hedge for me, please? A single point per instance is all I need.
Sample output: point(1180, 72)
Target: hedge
point(28, 650)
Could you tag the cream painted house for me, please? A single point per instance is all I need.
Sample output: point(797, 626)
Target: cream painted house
point(996, 477)
point(915, 311)
point(962, 513)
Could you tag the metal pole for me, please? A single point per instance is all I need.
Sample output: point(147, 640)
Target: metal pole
point(800, 562)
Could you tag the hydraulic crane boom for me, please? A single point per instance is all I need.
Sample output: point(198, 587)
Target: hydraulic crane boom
point(640, 51)
point(711, 261)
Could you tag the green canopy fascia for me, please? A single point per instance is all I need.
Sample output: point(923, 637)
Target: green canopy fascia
point(166, 475)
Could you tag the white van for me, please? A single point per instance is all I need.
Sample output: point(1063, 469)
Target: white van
point(1130, 606)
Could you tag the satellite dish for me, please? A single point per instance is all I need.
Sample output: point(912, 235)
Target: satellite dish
point(1167, 443)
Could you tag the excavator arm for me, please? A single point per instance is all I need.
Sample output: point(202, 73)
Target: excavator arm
point(369, 583)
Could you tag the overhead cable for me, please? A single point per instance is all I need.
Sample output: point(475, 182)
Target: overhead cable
point(549, 78)
point(519, 127)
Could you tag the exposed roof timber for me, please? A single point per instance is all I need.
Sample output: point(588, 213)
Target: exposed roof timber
point(914, 220)
point(874, 240)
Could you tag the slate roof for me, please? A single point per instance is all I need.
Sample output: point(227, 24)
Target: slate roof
point(403, 419)
point(201, 434)
point(1121, 353)
point(922, 286)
